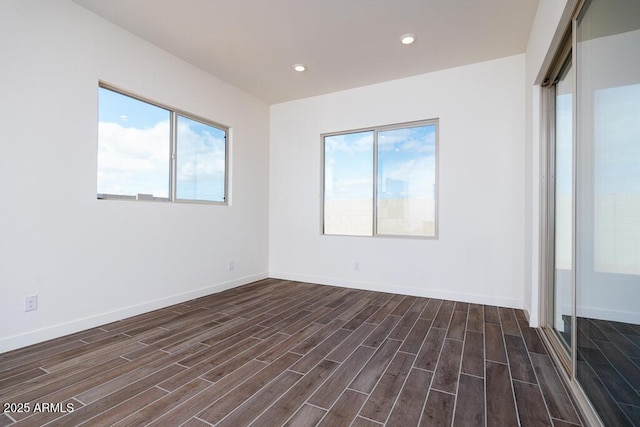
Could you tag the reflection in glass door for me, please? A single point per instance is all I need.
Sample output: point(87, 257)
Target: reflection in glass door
point(607, 221)
point(561, 227)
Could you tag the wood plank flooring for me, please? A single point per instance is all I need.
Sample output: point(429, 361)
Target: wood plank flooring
point(277, 352)
point(609, 368)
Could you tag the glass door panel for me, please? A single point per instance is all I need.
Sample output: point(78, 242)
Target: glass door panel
point(608, 208)
point(562, 213)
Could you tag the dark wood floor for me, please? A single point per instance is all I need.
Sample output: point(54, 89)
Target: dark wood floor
point(285, 353)
point(609, 369)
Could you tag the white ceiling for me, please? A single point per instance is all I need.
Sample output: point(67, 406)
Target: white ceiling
point(253, 44)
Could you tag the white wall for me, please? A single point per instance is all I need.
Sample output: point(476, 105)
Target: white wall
point(544, 27)
point(93, 261)
point(479, 255)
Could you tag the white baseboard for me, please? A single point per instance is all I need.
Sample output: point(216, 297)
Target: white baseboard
point(59, 330)
point(390, 288)
point(62, 329)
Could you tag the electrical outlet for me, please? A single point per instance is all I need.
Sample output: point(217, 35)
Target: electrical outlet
point(31, 303)
point(356, 266)
point(230, 265)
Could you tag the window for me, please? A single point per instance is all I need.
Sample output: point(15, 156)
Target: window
point(381, 181)
point(152, 152)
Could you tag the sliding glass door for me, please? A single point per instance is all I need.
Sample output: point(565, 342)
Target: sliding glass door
point(593, 208)
point(608, 208)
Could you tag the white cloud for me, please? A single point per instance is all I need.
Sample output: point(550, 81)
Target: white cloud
point(350, 143)
point(132, 160)
point(199, 153)
point(416, 140)
point(419, 174)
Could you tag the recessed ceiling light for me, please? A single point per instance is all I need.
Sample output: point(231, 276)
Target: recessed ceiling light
point(407, 39)
point(299, 67)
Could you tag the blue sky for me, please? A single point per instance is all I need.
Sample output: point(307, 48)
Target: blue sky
point(406, 164)
point(129, 112)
